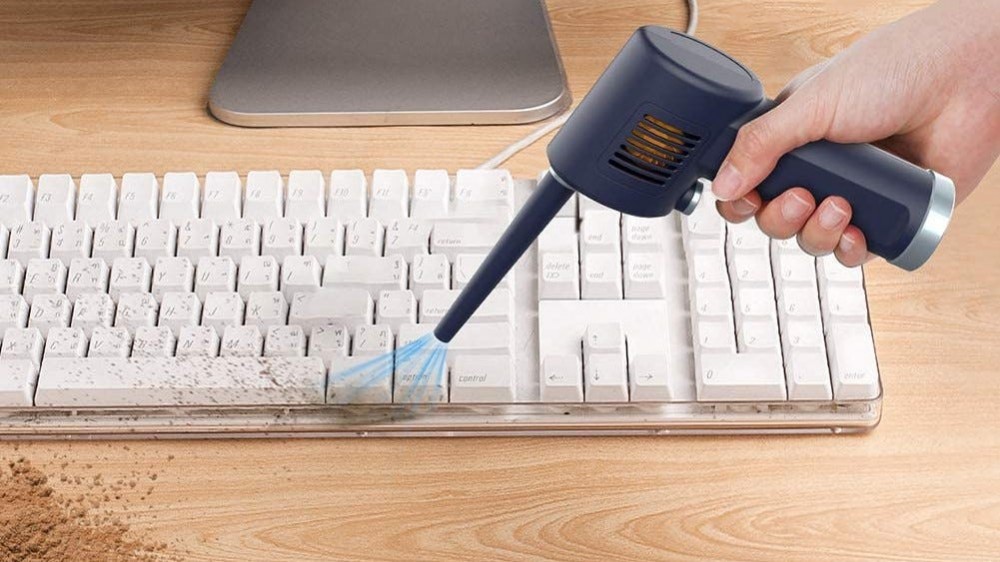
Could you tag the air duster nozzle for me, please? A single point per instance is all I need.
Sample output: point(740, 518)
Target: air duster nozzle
point(537, 213)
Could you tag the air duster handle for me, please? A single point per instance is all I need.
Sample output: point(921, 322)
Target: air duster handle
point(902, 210)
point(549, 196)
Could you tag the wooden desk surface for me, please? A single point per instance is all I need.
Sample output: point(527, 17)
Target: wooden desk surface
point(121, 85)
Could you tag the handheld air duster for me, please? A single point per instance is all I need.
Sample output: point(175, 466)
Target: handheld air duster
point(665, 113)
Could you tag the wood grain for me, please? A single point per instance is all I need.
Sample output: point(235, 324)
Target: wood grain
point(119, 85)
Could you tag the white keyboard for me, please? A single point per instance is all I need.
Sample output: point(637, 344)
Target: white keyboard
point(224, 304)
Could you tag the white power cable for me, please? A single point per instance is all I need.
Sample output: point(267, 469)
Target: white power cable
point(553, 124)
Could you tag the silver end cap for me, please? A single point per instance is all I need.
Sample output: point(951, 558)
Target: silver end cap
point(932, 228)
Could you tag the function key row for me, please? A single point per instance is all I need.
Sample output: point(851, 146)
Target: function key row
point(264, 195)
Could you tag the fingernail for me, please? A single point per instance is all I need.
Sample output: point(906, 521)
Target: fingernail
point(846, 244)
point(744, 206)
point(727, 182)
point(831, 215)
point(794, 207)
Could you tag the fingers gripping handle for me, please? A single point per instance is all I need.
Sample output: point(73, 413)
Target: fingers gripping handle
point(902, 210)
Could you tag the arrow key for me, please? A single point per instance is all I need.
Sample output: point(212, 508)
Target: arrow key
point(648, 378)
point(561, 380)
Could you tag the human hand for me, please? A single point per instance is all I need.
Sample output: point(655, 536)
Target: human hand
point(926, 88)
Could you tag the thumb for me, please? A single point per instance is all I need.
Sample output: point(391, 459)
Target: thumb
point(760, 143)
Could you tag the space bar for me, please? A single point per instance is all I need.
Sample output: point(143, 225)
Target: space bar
point(189, 381)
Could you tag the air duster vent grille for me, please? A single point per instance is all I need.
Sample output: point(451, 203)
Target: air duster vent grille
point(653, 150)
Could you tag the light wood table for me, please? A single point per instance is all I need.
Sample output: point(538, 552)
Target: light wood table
point(121, 85)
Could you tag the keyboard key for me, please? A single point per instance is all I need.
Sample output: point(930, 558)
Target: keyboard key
point(832, 272)
point(13, 312)
point(153, 342)
point(431, 192)
point(795, 269)
point(327, 307)
point(559, 276)
point(24, 344)
point(348, 199)
point(466, 266)
point(485, 379)
point(113, 239)
point(11, 277)
point(712, 303)
point(371, 341)
point(365, 237)
point(18, 379)
point(180, 199)
point(238, 238)
point(66, 343)
point(179, 311)
point(644, 277)
point(300, 275)
point(221, 311)
point(87, 276)
point(649, 380)
point(496, 308)
point(324, 237)
point(607, 337)
point(140, 197)
point(601, 276)
point(329, 343)
point(373, 274)
point(17, 200)
point(733, 377)
point(758, 336)
point(643, 235)
point(306, 198)
point(390, 195)
point(484, 190)
point(110, 343)
point(456, 238)
point(71, 240)
point(605, 378)
point(241, 341)
point(853, 369)
point(285, 341)
point(258, 274)
point(28, 241)
point(98, 200)
point(264, 198)
point(396, 308)
point(136, 310)
point(600, 233)
point(91, 311)
point(156, 239)
point(266, 309)
point(281, 238)
point(841, 304)
point(172, 275)
point(50, 311)
point(223, 196)
point(407, 238)
point(429, 272)
point(417, 383)
point(198, 341)
point(198, 238)
point(55, 200)
point(807, 375)
point(561, 379)
point(214, 275)
point(44, 277)
point(130, 275)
